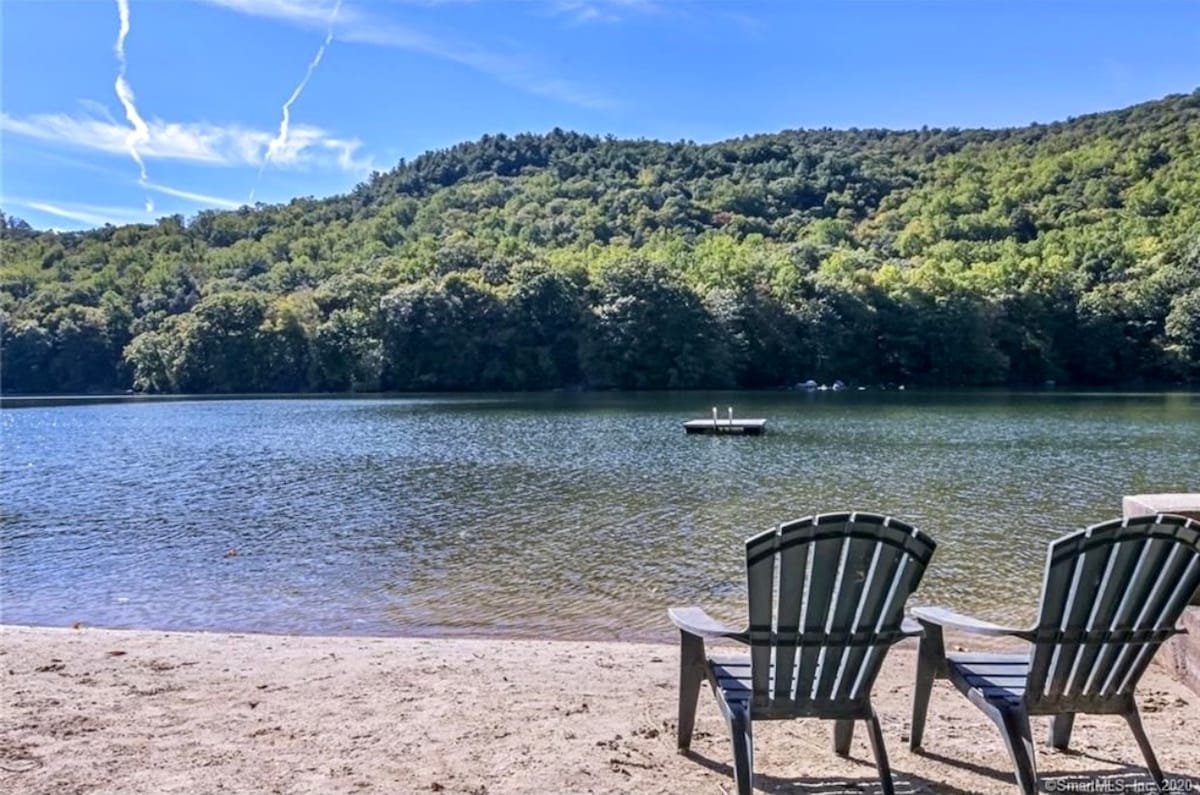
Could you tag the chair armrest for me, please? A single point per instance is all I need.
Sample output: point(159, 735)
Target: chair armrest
point(948, 619)
point(911, 629)
point(694, 621)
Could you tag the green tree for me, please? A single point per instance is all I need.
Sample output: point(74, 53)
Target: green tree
point(546, 310)
point(445, 335)
point(650, 332)
point(1183, 333)
point(26, 353)
point(349, 356)
point(222, 348)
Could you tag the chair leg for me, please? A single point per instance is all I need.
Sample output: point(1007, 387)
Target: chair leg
point(875, 733)
point(926, 673)
point(1014, 725)
point(931, 664)
point(691, 677)
point(743, 749)
point(1135, 724)
point(843, 732)
point(1060, 730)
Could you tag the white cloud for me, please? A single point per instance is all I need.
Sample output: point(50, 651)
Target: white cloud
point(300, 11)
point(307, 147)
point(96, 108)
point(198, 198)
point(583, 11)
point(355, 26)
point(91, 214)
point(510, 70)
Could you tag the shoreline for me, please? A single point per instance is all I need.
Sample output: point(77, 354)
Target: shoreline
point(114, 711)
point(664, 636)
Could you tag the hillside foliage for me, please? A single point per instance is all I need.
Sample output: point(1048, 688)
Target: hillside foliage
point(1066, 252)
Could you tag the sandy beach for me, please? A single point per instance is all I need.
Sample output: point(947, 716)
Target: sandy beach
point(112, 711)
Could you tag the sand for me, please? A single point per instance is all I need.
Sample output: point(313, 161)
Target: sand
point(108, 711)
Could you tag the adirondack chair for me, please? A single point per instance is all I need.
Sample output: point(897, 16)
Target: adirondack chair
point(1112, 594)
point(826, 600)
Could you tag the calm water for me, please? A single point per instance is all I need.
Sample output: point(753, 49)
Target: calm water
point(580, 515)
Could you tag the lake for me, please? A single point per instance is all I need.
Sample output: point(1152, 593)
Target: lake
point(576, 515)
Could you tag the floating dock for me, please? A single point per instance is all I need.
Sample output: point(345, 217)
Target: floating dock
point(753, 427)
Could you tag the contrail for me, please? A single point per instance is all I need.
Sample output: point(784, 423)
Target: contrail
point(279, 141)
point(140, 132)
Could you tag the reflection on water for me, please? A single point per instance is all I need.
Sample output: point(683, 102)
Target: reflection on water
point(572, 515)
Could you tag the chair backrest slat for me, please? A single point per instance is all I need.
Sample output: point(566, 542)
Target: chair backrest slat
point(894, 579)
point(865, 618)
point(822, 577)
point(760, 580)
point(1111, 607)
point(840, 584)
point(794, 561)
point(846, 606)
point(1112, 594)
point(1163, 609)
point(1087, 582)
point(1056, 585)
point(1150, 554)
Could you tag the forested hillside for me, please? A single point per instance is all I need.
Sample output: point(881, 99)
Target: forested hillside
point(1068, 251)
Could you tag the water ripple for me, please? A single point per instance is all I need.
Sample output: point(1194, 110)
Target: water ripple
point(576, 515)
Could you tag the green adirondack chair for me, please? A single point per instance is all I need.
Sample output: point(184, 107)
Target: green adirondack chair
point(826, 596)
point(1112, 594)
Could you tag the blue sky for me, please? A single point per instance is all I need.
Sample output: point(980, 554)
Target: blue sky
point(193, 117)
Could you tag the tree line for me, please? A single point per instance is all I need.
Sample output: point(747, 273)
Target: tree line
point(1066, 252)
